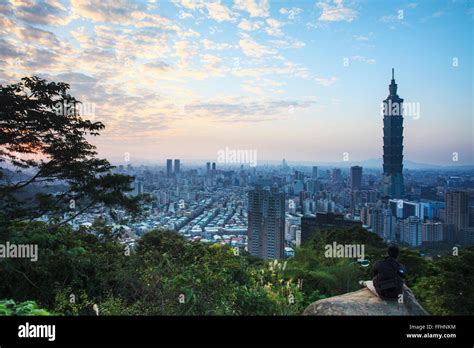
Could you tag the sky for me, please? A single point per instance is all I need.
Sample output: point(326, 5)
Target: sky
point(301, 80)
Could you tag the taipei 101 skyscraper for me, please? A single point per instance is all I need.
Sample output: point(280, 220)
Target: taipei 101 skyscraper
point(393, 185)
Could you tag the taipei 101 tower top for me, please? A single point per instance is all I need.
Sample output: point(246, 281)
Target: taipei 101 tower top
point(393, 183)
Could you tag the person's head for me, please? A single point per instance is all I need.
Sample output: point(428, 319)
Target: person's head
point(393, 251)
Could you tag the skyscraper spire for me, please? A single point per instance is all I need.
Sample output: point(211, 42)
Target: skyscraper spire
point(393, 86)
point(393, 183)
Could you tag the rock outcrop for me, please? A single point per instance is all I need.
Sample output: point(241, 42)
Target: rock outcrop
point(364, 302)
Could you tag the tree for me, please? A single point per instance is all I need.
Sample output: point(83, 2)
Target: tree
point(449, 290)
point(43, 143)
point(163, 275)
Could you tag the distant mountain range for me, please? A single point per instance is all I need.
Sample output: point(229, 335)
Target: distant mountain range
point(376, 163)
point(373, 163)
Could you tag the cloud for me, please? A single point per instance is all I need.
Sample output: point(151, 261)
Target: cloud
point(274, 27)
point(158, 66)
point(26, 49)
point(287, 43)
point(248, 109)
point(291, 12)
point(219, 12)
point(125, 115)
point(184, 15)
point(35, 59)
point(325, 81)
point(337, 12)
point(214, 46)
point(6, 25)
point(246, 87)
point(112, 11)
point(287, 69)
point(361, 38)
point(8, 50)
point(210, 60)
point(255, 8)
point(390, 18)
point(363, 59)
point(247, 25)
point(262, 86)
point(87, 89)
point(146, 43)
point(37, 36)
point(253, 49)
point(121, 12)
point(185, 50)
point(79, 33)
point(41, 12)
point(215, 9)
point(190, 4)
point(137, 66)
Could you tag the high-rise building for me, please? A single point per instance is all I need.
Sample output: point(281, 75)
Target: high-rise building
point(431, 232)
point(315, 172)
point(457, 209)
point(389, 225)
point(336, 175)
point(365, 215)
point(177, 165)
point(208, 168)
point(402, 209)
point(138, 188)
point(376, 220)
point(410, 231)
point(213, 167)
point(299, 175)
point(471, 216)
point(266, 223)
point(393, 185)
point(356, 177)
point(169, 167)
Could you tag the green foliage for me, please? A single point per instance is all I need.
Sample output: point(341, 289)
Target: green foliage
point(68, 302)
point(168, 275)
point(418, 267)
point(324, 277)
point(161, 270)
point(9, 307)
point(449, 291)
point(67, 258)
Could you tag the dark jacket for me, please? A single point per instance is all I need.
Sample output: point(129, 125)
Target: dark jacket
point(388, 280)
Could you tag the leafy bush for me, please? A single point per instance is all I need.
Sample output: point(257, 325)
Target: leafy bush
point(165, 274)
point(9, 307)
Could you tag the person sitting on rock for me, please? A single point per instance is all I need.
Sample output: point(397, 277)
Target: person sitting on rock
point(389, 275)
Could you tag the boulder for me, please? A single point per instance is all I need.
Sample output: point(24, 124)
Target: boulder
point(364, 302)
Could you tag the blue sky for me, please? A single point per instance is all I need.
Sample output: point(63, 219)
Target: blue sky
point(300, 79)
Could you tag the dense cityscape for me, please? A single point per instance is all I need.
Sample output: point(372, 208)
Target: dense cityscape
point(212, 205)
point(269, 210)
point(211, 166)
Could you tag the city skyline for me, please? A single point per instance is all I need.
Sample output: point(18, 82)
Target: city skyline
point(236, 158)
point(297, 80)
